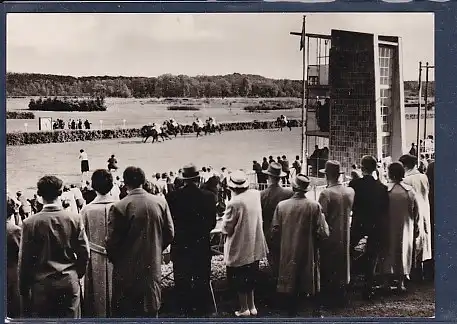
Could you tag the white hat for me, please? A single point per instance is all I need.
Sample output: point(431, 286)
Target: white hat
point(238, 179)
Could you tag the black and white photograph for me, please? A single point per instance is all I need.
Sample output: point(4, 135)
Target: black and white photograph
point(257, 166)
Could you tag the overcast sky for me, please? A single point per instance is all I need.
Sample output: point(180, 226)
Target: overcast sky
point(210, 44)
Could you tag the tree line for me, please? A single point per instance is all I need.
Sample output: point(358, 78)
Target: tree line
point(167, 85)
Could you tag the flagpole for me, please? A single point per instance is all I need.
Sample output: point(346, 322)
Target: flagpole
point(304, 101)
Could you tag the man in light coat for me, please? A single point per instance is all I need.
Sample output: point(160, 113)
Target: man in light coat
point(420, 184)
point(298, 224)
point(336, 201)
point(269, 198)
point(139, 229)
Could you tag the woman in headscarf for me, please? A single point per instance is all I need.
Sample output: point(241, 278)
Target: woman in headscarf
point(97, 283)
point(245, 245)
point(401, 228)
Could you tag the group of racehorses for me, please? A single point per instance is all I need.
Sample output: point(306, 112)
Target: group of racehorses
point(169, 129)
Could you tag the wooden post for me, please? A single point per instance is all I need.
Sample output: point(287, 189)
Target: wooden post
point(419, 112)
point(425, 101)
point(304, 102)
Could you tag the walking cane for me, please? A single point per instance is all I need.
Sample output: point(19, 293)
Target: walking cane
point(212, 295)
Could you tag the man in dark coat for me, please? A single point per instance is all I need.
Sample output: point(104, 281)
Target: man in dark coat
point(270, 199)
point(285, 169)
point(194, 214)
point(53, 257)
point(370, 207)
point(258, 170)
point(139, 229)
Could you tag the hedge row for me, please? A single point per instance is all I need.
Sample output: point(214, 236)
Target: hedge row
point(20, 115)
point(62, 136)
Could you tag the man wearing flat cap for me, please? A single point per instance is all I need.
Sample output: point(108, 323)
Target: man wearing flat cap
point(297, 225)
point(270, 197)
point(336, 201)
point(371, 203)
point(194, 215)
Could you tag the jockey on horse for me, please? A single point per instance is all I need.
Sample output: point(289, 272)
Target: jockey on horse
point(199, 123)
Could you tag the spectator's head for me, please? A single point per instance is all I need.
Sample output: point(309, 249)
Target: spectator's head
point(204, 169)
point(254, 162)
point(18, 194)
point(283, 157)
point(316, 147)
point(274, 172)
point(238, 182)
point(118, 178)
point(270, 157)
point(10, 207)
point(396, 172)
point(332, 170)
point(172, 173)
point(409, 161)
point(49, 188)
point(190, 174)
point(278, 158)
point(430, 137)
point(427, 156)
point(81, 150)
point(223, 169)
point(369, 164)
point(102, 181)
point(213, 182)
point(112, 155)
point(412, 144)
point(157, 175)
point(297, 157)
point(422, 156)
point(66, 188)
point(164, 175)
point(148, 187)
point(134, 177)
point(264, 159)
point(300, 183)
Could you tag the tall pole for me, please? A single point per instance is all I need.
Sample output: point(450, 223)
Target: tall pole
point(419, 111)
point(425, 101)
point(304, 101)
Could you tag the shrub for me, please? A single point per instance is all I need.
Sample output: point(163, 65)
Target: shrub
point(184, 107)
point(77, 135)
point(48, 104)
point(20, 115)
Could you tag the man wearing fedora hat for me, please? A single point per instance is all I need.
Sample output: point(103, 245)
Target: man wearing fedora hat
point(369, 210)
point(336, 201)
point(194, 216)
point(297, 225)
point(270, 197)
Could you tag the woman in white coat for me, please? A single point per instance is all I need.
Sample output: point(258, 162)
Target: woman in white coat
point(245, 245)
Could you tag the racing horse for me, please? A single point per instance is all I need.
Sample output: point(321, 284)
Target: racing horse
point(281, 123)
point(198, 129)
point(172, 129)
point(149, 131)
point(212, 128)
